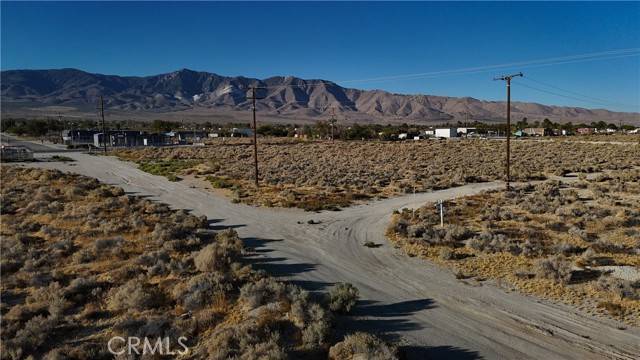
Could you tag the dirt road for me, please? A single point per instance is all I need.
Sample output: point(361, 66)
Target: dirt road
point(432, 313)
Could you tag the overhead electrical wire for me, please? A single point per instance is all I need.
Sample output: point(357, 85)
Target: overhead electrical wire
point(596, 56)
point(591, 98)
point(559, 94)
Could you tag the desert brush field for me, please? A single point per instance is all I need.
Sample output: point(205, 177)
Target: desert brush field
point(576, 242)
point(325, 175)
point(82, 262)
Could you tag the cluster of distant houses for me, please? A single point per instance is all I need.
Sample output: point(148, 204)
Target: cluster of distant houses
point(133, 138)
point(444, 132)
point(452, 132)
point(539, 131)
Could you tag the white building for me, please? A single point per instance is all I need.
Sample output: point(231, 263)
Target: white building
point(447, 132)
point(467, 130)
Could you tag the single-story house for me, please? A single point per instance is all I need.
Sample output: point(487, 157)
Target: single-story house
point(537, 131)
point(241, 132)
point(467, 130)
point(447, 132)
point(586, 131)
point(78, 137)
point(119, 138)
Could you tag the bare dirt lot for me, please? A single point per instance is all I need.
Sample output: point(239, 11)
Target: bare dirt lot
point(422, 305)
point(576, 242)
point(326, 175)
point(83, 262)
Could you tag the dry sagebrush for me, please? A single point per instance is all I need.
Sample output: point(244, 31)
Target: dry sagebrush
point(326, 175)
point(551, 239)
point(82, 262)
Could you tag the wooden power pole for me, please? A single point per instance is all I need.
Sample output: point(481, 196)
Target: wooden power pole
point(333, 121)
point(508, 78)
point(255, 133)
point(104, 131)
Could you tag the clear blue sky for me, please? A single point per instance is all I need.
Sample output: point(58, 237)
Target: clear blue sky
point(341, 41)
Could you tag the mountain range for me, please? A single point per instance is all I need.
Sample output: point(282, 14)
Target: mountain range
point(191, 94)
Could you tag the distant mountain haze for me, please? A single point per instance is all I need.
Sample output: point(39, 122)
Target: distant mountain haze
point(190, 94)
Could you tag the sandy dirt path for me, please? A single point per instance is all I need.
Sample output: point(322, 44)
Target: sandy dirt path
point(423, 306)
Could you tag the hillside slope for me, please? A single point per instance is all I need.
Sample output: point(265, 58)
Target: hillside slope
point(186, 91)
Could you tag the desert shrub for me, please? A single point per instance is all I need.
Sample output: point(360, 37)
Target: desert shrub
point(625, 289)
point(567, 249)
point(64, 247)
point(221, 254)
point(200, 290)
point(245, 341)
point(316, 324)
point(107, 244)
point(446, 254)
point(555, 268)
point(135, 294)
point(263, 291)
point(219, 182)
point(604, 246)
point(84, 256)
point(33, 335)
point(362, 346)
point(612, 308)
point(490, 242)
point(532, 248)
point(157, 262)
point(415, 231)
point(343, 297)
point(52, 297)
point(577, 232)
point(398, 225)
point(79, 289)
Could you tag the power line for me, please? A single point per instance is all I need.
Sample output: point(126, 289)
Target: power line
point(561, 95)
point(597, 56)
point(603, 101)
point(541, 62)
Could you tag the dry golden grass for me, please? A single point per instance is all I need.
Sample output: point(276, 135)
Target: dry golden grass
point(326, 175)
point(82, 262)
point(549, 240)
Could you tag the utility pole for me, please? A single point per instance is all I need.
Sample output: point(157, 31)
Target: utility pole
point(255, 132)
point(104, 131)
point(332, 121)
point(508, 78)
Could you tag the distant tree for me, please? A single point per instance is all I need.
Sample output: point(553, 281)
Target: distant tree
point(162, 126)
point(522, 124)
